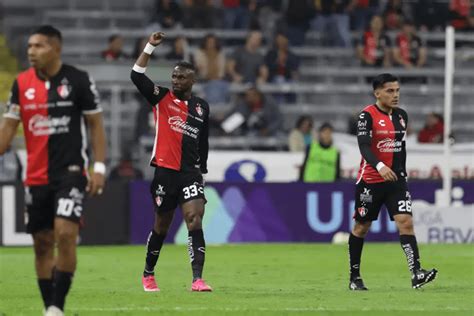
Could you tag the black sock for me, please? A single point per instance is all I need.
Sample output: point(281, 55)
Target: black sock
point(62, 283)
point(355, 252)
point(46, 288)
point(410, 248)
point(153, 248)
point(197, 252)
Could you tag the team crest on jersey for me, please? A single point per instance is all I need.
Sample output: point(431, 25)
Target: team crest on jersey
point(199, 109)
point(362, 211)
point(402, 122)
point(64, 90)
point(156, 90)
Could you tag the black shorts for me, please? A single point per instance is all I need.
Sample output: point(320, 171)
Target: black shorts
point(171, 188)
point(369, 198)
point(61, 198)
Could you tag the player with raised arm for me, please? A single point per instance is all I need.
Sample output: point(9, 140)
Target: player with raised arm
point(179, 157)
point(382, 179)
point(55, 102)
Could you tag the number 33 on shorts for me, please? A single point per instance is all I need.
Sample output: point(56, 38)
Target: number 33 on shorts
point(193, 190)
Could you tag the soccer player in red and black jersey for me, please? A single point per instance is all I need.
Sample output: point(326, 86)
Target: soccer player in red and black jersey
point(179, 157)
point(382, 179)
point(55, 102)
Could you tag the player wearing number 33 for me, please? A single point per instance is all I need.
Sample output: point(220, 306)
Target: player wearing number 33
point(180, 158)
point(382, 179)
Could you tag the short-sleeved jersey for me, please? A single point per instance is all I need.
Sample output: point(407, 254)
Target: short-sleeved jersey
point(52, 116)
point(181, 127)
point(386, 134)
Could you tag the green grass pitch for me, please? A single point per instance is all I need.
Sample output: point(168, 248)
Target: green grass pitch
point(250, 279)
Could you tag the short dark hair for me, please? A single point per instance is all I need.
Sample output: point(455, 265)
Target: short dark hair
point(49, 31)
point(186, 65)
point(382, 79)
point(113, 37)
point(303, 118)
point(326, 125)
point(206, 38)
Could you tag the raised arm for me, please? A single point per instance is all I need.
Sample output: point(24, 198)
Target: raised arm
point(144, 84)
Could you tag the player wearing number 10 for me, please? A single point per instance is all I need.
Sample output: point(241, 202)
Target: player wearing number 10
point(179, 157)
point(381, 134)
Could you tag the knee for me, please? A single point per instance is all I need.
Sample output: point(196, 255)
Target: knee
point(193, 220)
point(44, 247)
point(405, 225)
point(65, 238)
point(361, 230)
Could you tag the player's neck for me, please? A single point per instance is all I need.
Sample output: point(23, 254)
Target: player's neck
point(383, 108)
point(50, 71)
point(184, 96)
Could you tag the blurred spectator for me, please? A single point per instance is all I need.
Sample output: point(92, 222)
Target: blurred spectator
point(10, 166)
point(298, 15)
point(363, 12)
point(167, 14)
point(460, 14)
point(430, 15)
point(115, 49)
point(281, 62)
point(125, 170)
point(210, 64)
point(302, 135)
point(140, 44)
point(236, 13)
point(322, 159)
point(180, 50)
point(332, 21)
point(409, 50)
point(374, 46)
point(255, 115)
point(433, 130)
point(393, 15)
point(199, 14)
point(247, 64)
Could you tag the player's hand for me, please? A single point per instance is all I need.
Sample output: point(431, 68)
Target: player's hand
point(156, 38)
point(96, 183)
point(388, 174)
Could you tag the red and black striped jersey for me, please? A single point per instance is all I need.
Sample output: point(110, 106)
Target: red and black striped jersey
point(181, 127)
point(381, 138)
point(52, 116)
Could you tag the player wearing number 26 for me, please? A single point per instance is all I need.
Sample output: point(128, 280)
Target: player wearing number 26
point(179, 157)
point(382, 179)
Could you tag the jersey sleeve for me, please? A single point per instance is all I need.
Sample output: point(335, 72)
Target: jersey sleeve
point(147, 88)
point(204, 142)
point(364, 138)
point(89, 99)
point(13, 104)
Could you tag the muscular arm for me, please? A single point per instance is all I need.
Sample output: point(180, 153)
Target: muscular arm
point(8, 128)
point(144, 84)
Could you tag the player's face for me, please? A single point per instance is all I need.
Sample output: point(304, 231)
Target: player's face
point(182, 80)
point(389, 94)
point(42, 51)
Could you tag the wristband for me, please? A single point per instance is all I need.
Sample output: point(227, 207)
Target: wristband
point(139, 69)
point(379, 166)
point(149, 49)
point(99, 167)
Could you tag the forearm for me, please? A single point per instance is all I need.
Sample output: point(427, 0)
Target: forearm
point(7, 132)
point(368, 155)
point(98, 141)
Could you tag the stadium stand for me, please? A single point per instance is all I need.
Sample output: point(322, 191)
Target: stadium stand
point(332, 85)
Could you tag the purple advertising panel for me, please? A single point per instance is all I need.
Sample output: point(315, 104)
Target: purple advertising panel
point(278, 212)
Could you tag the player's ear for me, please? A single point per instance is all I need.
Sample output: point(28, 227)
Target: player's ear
point(376, 93)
